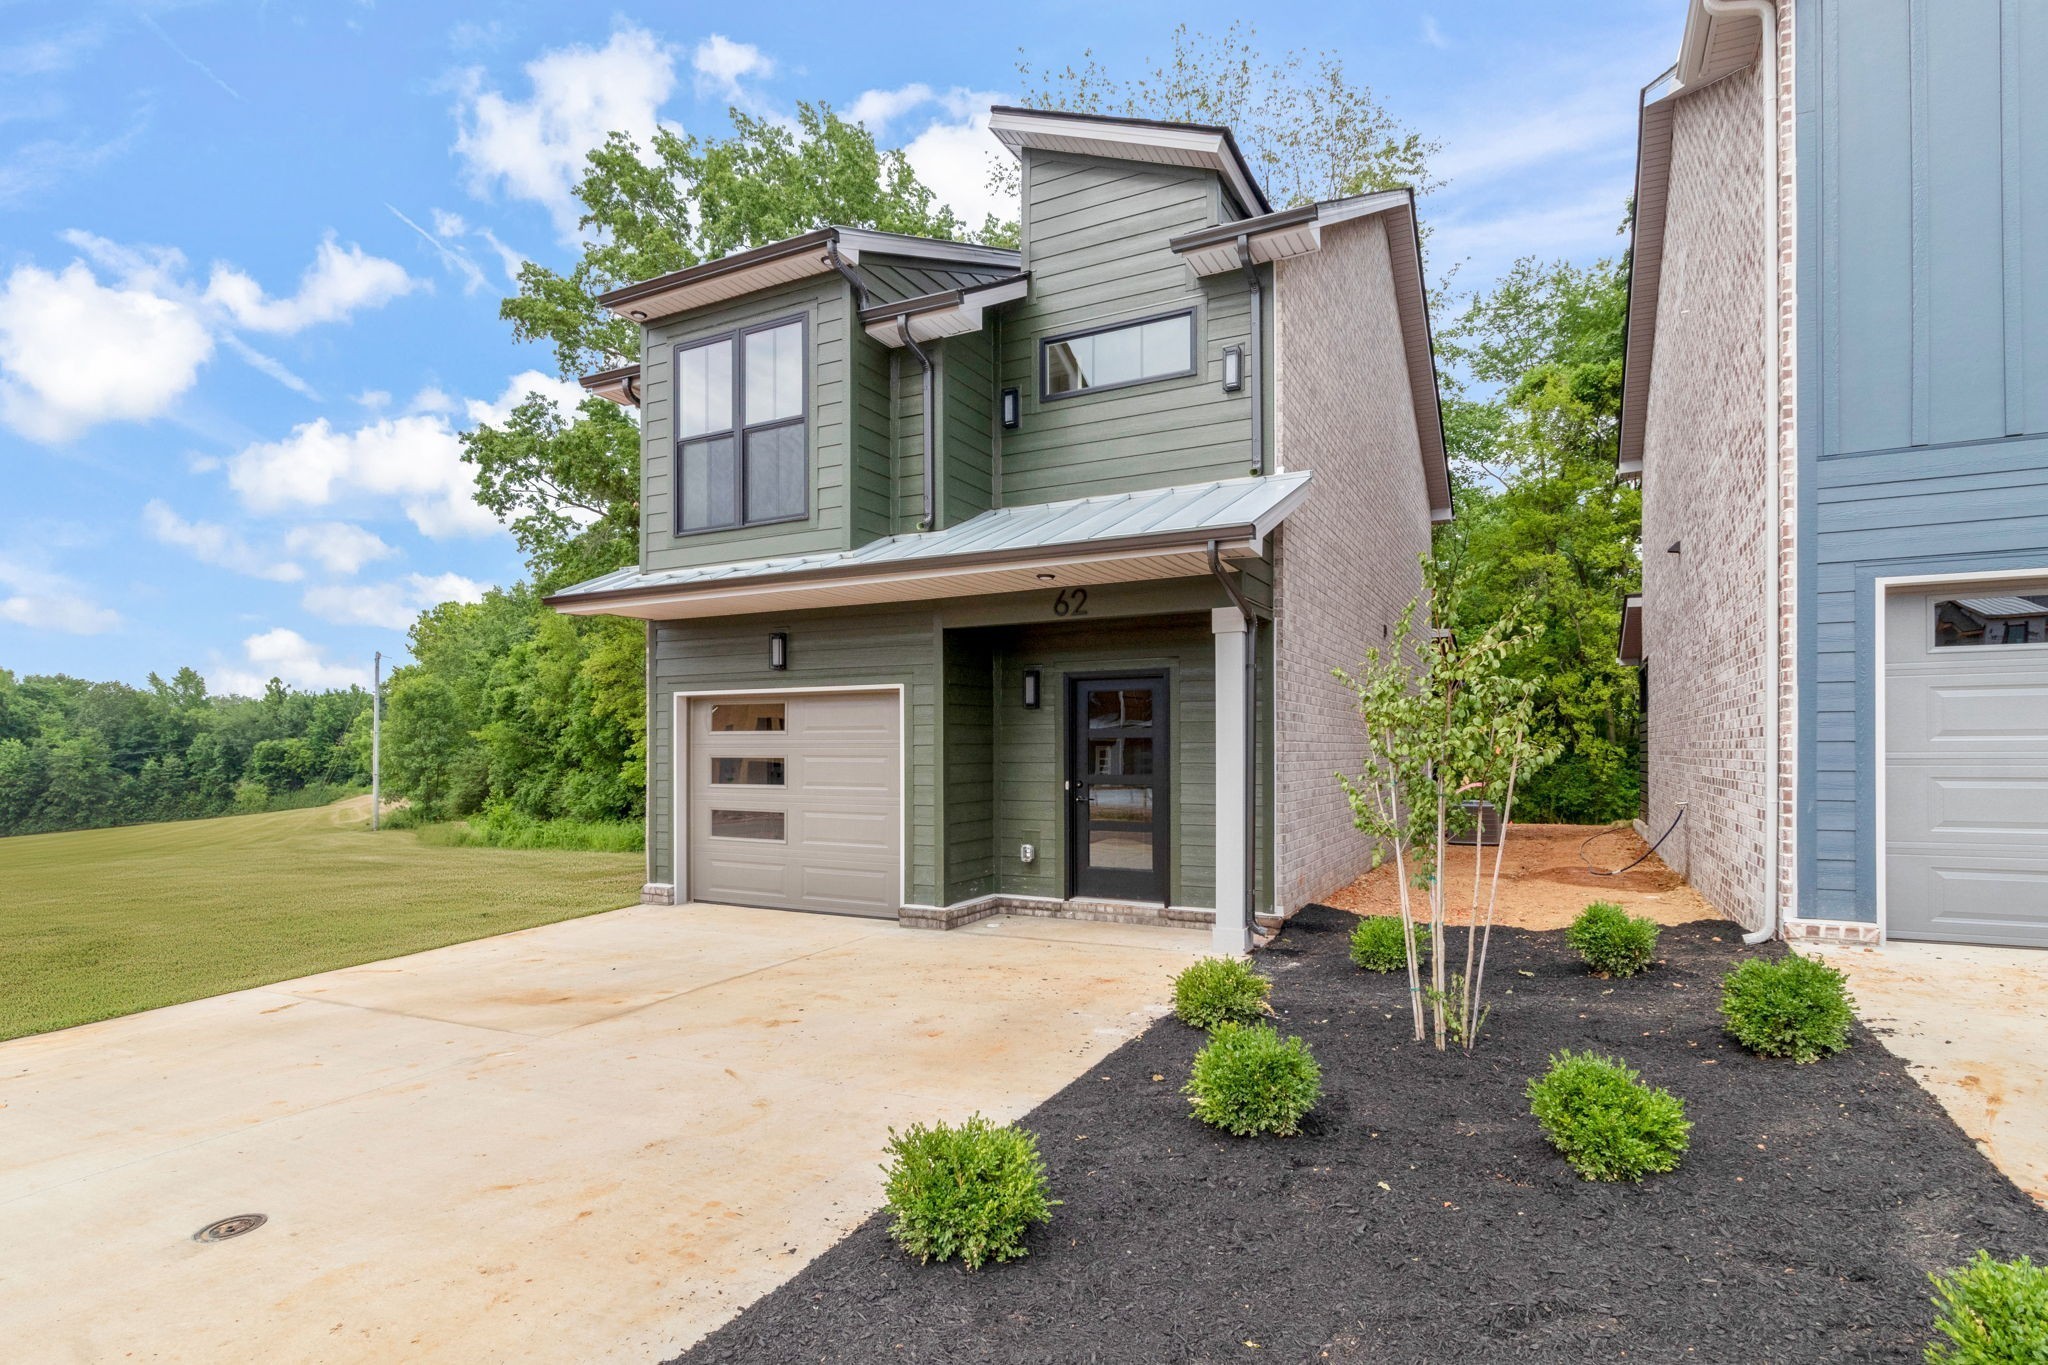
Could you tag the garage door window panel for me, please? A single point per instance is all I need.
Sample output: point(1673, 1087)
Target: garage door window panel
point(743, 428)
point(1992, 619)
point(746, 772)
point(760, 826)
point(748, 718)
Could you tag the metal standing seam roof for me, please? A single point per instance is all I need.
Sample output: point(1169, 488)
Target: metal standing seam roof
point(1188, 513)
point(2003, 606)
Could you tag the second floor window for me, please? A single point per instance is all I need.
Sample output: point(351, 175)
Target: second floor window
point(742, 441)
point(1111, 357)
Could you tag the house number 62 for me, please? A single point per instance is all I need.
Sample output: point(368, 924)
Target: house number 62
point(1071, 602)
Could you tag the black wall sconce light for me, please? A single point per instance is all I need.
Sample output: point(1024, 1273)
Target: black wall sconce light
point(778, 651)
point(1030, 689)
point(1233, 368)
point(1013, 410)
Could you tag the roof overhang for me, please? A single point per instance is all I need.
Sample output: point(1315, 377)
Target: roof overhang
point(1631, 650)
point(1296, 232)
point(1200, 145)
point(918, 567)
point(621, 386)
point(952, 312)
point(796, 258)
point(1713, 47)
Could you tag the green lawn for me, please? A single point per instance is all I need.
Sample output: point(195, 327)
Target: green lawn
point(110, 921)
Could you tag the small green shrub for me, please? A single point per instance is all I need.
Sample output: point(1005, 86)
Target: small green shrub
point(1788, 1007)
point(1220, 990)
point(1247, 1081)
point(1378, 945)
point(1606, 1122)
point(1991, 1312)
point(1613, 942)
point(970, 1191)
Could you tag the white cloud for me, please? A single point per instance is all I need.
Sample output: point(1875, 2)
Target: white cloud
point(284, 654)
point(414, 459)
point(535, 148)
point(953, 155)
point(337, 546)
point(74, 352)
point(77, 350)
point(341, 281)
point(1432, 34)
point(721, 64)
point(211, 543)
point(42, 600)
point(877, 109)
point(395, 604)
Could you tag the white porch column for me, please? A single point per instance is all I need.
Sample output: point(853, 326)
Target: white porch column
point(1233, 915)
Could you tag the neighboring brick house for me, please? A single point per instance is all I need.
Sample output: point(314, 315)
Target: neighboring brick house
point(988, 581)
point(1836, 401)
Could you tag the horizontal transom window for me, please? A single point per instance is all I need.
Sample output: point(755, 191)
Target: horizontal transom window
point(2013, 619)
point(742, 434)
point(1111, 357)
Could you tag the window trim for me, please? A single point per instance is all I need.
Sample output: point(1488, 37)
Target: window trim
point(1046, 343)
point(740, 428)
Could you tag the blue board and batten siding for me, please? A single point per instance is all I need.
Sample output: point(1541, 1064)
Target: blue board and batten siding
point(1923, 356)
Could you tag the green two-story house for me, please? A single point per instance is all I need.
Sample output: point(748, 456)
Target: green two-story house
point(982, 581)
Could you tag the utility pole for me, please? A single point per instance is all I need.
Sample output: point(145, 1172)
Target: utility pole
point(377, 743)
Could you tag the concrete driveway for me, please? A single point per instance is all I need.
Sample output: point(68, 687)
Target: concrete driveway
point(1972, 1024)
point(593, 1140)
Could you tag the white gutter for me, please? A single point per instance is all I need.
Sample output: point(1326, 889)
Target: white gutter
point(1766, 13)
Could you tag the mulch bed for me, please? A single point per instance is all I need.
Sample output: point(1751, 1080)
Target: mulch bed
point(1422, 1217)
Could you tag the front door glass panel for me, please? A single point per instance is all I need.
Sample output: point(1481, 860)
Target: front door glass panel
point(1116, 787)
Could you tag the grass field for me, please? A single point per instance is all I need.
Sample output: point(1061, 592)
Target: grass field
point(110, 921)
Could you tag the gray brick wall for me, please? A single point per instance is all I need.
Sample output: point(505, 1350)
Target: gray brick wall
point(1706, 487)
point(1345, 561)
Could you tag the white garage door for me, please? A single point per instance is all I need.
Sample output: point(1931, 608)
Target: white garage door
point(795, 802)
point(1966, 770)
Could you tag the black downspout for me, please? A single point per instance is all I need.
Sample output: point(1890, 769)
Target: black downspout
point(931, 515)
point(1251, 735)
point(852, 276)
point(1254, 352)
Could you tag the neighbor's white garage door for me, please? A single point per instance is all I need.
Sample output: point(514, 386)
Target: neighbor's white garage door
point(795, 801)
point(1966, 764)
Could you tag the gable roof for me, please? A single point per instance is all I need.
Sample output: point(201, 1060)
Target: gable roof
point(1299, 232)
point(1714, 47)
point(795, 258)
point(1205, 146)
point(1121, 537)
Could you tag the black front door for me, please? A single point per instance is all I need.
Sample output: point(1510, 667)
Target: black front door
point(1117, 788)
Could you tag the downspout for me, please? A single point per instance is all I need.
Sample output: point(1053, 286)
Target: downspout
point(1254, 368)
point(1766, 14)
point(1251, 737)
point(852, 276)
point(925, 418)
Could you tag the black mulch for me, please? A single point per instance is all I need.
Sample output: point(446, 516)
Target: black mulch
point(1422, 1217)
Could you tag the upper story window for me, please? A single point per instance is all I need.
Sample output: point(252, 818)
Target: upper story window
point(1112, 357)
point(742, 438)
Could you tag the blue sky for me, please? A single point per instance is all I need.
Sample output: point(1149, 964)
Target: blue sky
point(251, 256)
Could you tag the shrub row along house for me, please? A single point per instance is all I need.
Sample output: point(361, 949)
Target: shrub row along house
point(1836, 400)
point(982, 580)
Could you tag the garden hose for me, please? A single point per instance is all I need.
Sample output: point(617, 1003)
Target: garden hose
point(1602, 872)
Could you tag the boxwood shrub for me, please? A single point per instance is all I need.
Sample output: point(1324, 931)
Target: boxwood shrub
point(1248, 1081)
point(1788, 1007)
point(1220, 990)
point(1606, 1122)
point(969, 1191)
point(1378, 945)
point(1613, 942)
point(1991, 1313)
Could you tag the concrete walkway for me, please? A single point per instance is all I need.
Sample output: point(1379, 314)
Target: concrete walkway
point(593, 1140)
point(1972, 1023)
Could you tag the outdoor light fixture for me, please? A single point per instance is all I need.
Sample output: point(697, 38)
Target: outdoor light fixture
point(1030, 689)
point(638, 315)
point(778, 651)
point(1233, 368)
point(1012, 410)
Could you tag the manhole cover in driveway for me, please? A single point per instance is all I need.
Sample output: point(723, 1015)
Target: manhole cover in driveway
point(230, 1227)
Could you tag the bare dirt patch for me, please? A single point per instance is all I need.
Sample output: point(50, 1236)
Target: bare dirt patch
point(1544, 882)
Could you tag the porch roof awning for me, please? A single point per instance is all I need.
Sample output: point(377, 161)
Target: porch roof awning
point(1125, 537)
